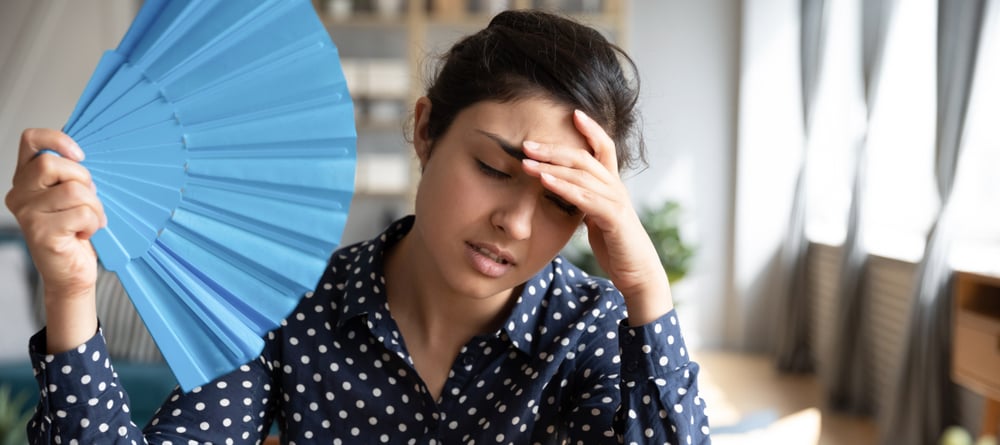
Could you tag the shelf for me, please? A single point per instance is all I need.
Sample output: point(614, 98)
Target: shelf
point(479, 20)
point(363, 20)
point(383, 57)
point(976, 341)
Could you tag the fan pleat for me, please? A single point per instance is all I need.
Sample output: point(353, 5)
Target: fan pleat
point(229, 312)
point(188, 27)
point(258, 53)
point(277, 171)
point(252, 94)
point(250, 251)
point(163, 133)
point(109, 154)
point(303, 124)
point(254, 301)
point(307, 231)
point(159, 274)
point(220, 135)
point(130, 234)
point(125, 81)
point(261, 52)
point(323, 198)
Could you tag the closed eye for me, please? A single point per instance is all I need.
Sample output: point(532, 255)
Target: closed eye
point(570, 209)
point(490, 171)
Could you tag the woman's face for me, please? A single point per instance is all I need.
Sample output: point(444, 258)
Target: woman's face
point(485, 225)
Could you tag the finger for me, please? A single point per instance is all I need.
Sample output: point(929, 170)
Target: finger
point(82, 220)
point(46, 171)
point(71, 195)
point(49, 230)
point(65, 196)
point(602, 144)
point(568, 157)
point(589, 201)
point(34, 140)
point(574, 176)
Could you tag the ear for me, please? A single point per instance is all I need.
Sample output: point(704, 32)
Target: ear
point(421, 141)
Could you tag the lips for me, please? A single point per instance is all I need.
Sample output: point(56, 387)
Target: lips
point(488, 260)
point(493, 253)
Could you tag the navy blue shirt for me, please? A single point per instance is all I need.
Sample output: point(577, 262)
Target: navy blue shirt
point(564, 367)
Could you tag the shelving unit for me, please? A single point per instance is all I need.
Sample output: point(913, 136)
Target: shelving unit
point(976, 342)
point(385, 47)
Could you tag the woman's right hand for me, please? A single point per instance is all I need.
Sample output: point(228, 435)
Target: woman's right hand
point(55, 202)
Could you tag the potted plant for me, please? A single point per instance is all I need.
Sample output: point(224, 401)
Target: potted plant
point(14, 416)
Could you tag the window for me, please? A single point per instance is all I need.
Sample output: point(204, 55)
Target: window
point(901, 196)
point(975, 200)
point(835, 132)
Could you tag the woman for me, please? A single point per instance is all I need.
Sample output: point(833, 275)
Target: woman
point(459, 324)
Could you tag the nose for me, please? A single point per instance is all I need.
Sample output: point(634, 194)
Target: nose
point(515, 217)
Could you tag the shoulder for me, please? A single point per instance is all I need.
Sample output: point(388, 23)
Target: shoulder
point(574, 296)
point(577, 284)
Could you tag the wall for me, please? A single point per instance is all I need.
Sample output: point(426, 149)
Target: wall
point(688, 58)
point(48, 48)
point(687, 53)
point(770, 148)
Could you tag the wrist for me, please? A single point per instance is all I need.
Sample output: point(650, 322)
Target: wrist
point(70, 318)
point(649, 301)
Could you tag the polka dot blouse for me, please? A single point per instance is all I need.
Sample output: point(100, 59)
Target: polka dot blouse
point(564, 368)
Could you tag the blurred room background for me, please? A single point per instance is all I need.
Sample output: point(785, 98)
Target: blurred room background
point(832, 166)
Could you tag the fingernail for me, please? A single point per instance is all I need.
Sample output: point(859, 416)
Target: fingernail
point(580, 114)
point(531, 145)
point(77, 152)
point(548, 177)
point(530, 163)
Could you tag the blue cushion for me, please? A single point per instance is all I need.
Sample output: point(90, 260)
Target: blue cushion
point(147, 384)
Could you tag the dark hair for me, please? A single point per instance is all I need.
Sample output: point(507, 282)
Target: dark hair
point(528, 53)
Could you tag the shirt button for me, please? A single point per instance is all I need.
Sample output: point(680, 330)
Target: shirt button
point(468, 360)
point(632, 365)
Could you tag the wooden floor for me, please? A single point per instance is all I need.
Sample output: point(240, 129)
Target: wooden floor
point(749, 402)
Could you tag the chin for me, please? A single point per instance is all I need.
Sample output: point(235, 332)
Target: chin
point(483, 288)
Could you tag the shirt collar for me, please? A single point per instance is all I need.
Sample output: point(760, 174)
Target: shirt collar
point(522, 326)
point(366, 259)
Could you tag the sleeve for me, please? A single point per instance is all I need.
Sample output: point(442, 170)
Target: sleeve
point(660, 402)
point(647, 394)
point(82, 401)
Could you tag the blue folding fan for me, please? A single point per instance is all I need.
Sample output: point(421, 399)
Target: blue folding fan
point(221, 137)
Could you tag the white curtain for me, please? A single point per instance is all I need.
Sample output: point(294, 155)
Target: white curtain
point(848, 367)
point(794, 353)
point(925, 402)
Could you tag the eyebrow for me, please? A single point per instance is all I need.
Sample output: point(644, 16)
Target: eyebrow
point(508, 147)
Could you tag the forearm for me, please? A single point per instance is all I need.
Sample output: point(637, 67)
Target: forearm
point(79, 396)
point(660, 400)
point(650, 301)
point(70, 320)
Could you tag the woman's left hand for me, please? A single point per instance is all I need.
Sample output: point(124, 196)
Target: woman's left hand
point(591, 182)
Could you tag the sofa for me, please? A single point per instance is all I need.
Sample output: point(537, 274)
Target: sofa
point(139, 364)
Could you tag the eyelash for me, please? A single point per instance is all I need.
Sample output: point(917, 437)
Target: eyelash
point(564, 206)
point(491, 172)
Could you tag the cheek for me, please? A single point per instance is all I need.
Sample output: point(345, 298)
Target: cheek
point(449, 189)
point(553, 233)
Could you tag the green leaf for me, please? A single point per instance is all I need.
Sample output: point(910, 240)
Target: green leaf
point(663, 226)
point(14, 416)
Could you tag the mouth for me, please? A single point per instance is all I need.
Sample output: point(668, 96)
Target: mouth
point(497, 256)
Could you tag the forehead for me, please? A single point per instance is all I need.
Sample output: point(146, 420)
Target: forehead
point(517, 121)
